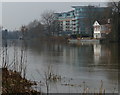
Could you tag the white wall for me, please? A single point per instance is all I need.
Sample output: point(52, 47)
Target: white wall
point(97, 35)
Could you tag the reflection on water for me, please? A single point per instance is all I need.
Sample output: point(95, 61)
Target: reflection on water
point(97, 53)
point(83, 62)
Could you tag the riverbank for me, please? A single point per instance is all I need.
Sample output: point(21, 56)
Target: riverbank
point(13, 83)
point(66, 39)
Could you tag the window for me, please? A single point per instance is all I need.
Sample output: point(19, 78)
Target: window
point(68, 14)
point(60, 15)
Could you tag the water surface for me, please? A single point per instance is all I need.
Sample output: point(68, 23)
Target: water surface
point(80, 64)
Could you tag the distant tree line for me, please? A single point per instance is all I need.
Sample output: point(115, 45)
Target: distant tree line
point(46, 27)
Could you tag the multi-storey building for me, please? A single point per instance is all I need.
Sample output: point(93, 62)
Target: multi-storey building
point(80, 19)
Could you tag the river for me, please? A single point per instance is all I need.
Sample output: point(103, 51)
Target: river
point(82, 65)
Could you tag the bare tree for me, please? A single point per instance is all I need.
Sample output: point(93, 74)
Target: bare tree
point(24, 31)
point(35, 29)
point(115, 6)
point(48, 19)
point(115, 34)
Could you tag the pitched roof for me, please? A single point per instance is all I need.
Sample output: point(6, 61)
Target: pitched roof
point(96, 23)
point(104, 21)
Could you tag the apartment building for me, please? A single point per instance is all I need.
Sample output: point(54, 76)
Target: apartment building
point(80, 19)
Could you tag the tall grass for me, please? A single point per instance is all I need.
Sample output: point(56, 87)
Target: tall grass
point(49, 76)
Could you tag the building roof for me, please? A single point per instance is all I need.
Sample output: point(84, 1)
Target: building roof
point(104, 21)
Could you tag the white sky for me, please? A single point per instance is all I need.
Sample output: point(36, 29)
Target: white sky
point(15, 14)
point(56, 0)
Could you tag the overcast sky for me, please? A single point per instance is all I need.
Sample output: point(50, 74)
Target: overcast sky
point(16, 14)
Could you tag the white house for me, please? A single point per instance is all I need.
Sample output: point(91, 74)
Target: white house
point(101, 28)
